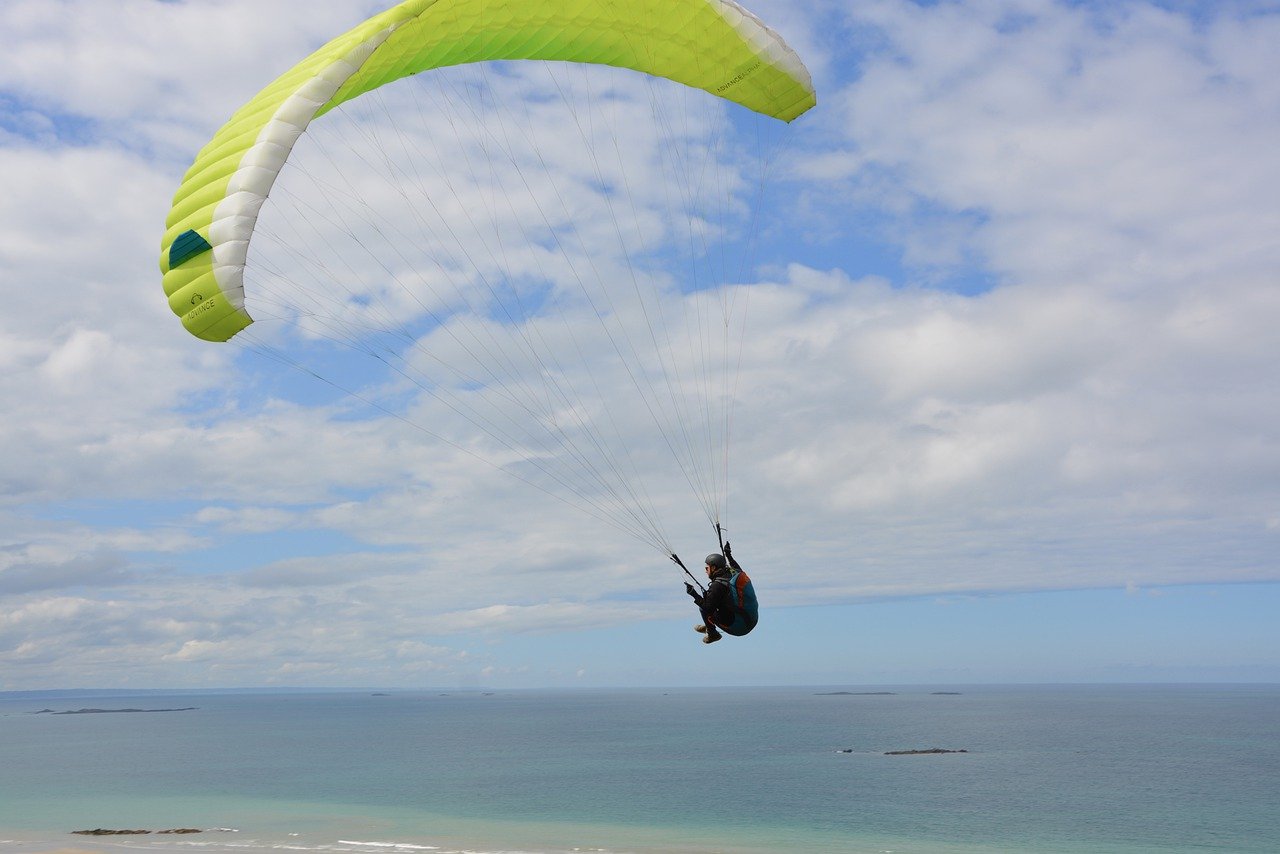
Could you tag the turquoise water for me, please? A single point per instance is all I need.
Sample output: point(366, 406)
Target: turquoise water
point(1070, 769)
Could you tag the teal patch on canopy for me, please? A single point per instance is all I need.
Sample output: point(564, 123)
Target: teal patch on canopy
point(188, 245)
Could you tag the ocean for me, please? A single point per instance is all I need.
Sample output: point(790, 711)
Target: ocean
point(1072, 769)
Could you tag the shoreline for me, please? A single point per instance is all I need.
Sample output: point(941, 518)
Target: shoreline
point(491, 838)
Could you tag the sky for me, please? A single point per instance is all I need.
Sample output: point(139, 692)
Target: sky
point(1006, 409)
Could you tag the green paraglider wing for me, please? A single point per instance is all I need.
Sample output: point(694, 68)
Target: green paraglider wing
point(714, 45)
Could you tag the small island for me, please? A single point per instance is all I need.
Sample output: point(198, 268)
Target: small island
point(109, 711)
point(931, 750)
point(854, 694)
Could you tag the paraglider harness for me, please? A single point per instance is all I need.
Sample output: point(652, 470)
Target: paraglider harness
point(743, 599)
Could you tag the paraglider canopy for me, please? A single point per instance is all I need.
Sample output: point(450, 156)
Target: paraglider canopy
point(714, 45)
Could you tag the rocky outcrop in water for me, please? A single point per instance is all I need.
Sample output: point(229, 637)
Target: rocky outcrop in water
point(102, 831)
point(930, 750)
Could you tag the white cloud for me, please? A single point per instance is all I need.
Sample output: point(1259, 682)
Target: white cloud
point(1101, 147)
point(1098, 410)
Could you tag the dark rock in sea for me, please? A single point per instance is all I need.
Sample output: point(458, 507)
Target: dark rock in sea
point(102, 831)
point(946, 693)
point(844, 750)
point(921, 752)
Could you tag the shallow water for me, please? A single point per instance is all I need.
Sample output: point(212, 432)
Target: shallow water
point(1070, 769)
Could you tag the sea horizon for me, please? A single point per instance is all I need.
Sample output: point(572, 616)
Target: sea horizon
point(765, 686)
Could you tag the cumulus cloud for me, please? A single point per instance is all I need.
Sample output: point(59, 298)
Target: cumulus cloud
point(1014, 332)
point(28, 576)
